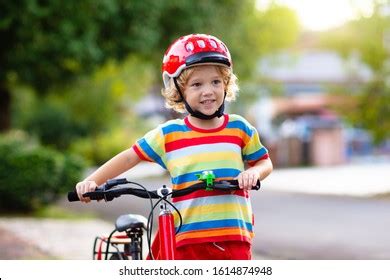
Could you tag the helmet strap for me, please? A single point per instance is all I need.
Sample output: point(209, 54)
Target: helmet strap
point(197, 114)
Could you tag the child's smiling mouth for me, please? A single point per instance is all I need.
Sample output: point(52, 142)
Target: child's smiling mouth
point(207, 101)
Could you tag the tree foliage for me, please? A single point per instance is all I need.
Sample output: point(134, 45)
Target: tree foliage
point(51, 42)
point(48, 44)
point(365, 35)
point(374, 109)
point(86, 108)
point(254, 33)
point(368, 36)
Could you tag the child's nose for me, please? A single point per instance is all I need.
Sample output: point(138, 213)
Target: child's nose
point(208, 89)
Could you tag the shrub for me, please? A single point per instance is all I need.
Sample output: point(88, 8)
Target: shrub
point(100, 148)
point(31, 175)
point(54, 126)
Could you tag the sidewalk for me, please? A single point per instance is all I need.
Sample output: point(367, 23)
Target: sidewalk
point(62, 239)
point(353, 180)
point(16, 248)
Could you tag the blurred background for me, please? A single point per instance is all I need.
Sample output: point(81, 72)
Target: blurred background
point(81, 81)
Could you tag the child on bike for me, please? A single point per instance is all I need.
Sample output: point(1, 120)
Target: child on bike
point(198, 78)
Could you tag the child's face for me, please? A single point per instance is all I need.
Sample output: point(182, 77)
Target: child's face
point(204, 90)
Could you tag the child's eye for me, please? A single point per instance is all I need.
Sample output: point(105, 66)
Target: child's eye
point(196, 84)
point(217, 82)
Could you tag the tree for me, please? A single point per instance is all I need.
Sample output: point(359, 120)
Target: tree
point(52, 43)
point(47, 43)
point(265, 32)
point(368, 37)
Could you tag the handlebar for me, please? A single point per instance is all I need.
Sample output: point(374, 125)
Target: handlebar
point(108, 191)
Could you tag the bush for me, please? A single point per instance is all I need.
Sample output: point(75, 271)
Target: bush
point(54, 126)
point(102, 147)
point(31, 175)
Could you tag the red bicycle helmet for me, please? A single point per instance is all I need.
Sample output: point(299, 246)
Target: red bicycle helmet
point(193, 49)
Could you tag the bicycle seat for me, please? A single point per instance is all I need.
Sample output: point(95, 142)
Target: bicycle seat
point(128, 221)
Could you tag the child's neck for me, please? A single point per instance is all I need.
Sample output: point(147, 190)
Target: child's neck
point(206, 124)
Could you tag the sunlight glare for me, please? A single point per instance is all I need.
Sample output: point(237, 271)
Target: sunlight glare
point(321, 15)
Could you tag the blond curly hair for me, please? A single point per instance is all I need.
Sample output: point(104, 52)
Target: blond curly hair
point(172, 96)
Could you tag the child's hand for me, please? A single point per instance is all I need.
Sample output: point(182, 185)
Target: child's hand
point(84, 187)
point(248, 179)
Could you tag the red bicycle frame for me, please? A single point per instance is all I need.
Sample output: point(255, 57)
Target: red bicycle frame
point(164, 244)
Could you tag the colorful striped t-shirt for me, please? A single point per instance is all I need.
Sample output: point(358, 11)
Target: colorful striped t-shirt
point(185, 150)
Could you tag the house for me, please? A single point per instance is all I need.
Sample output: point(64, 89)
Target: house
point(299, 125)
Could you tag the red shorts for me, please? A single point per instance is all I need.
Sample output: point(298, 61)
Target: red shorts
point(226, 250)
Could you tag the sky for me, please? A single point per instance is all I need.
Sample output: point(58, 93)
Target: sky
point(319, 15)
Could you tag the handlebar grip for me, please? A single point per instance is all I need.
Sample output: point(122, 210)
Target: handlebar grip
point(234, 184)
point(257, 187)
point(72, 196)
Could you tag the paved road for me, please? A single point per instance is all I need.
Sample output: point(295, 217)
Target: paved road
point(301, 226)
point(296, 225)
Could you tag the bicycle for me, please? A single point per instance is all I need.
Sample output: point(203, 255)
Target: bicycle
point(134, 225)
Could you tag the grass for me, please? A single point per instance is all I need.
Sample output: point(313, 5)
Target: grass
point(56, 212)
point(52, 212)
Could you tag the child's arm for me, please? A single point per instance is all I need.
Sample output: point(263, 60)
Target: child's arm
point(112, 168)
point(259, 171)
